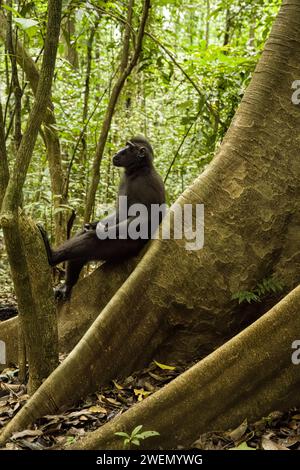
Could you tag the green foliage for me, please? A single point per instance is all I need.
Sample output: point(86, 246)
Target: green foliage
point(70, 440)
point(265, 287)
point(136, 436)
point(183, 90)
point(242, 446)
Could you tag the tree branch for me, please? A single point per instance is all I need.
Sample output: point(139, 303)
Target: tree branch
point(124, 73)
point(4, 172)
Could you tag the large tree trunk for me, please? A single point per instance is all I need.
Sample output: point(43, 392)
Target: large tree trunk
point(248, 377)
point(251, 197)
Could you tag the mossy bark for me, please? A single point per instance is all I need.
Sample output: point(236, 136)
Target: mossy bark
point(50, 135)
point(18, 238)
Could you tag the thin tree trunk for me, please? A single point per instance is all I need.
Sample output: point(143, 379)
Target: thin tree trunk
point(86, 94)
point(33, 295)
point(207, 26)
point(68, 32)
point(4, 172)
point(16, 117)
point(15, 82)
point(125, 70)
point(51, 138)
point(227, 28)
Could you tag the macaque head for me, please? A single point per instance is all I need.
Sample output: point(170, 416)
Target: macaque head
point(136, 154)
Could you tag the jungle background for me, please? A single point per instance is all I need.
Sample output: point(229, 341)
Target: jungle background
point(196, 62)
point(177, 77)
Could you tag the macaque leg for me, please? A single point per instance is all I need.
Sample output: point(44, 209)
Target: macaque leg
point(73, 269)
point(89, 247)
point(85, 247)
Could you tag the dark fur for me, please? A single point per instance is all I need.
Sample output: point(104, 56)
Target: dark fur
point(141, 184)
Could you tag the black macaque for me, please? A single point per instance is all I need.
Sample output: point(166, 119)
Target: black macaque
point(142, 185)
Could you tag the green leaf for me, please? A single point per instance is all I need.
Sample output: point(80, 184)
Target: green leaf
point(136, 430)
point(13, 10)
point(146, 434)
point(136, 442)
point(164, 366)
point(26, 23)
point(242, 446)
point(122, 434)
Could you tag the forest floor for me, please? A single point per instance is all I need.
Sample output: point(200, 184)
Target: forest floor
point(278, 431)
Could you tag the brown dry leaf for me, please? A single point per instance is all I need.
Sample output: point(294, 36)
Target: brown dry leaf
point(128, 380)
point(158, 377)
point(6, 409)
point(83, 418)
point(75, 432)
point(97, 409)
point(237, 433)
point(113, 401)
point(76, 414)
point(118, 386)
point(293, 425)
point(11, 446)
point(290, 441)
point(148, 386)
point(31, 445)
point(267, 444)
point(275, 415)
point(100, 397)
point(23, 397)
point(27, 433)
point(54, 418)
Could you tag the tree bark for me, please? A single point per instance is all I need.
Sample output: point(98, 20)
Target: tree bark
point(4, 172)
point(51, 137)
point(74, 317)
point(68, 32)
point(15, 81)
point(41, 347)
point(248, 377)
point(207, 25)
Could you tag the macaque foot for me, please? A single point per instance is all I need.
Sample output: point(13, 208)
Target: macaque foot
point(62, 293)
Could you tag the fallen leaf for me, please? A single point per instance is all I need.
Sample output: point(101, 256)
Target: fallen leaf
point(97, 409)
point(83, 418)
point(237, 433)
point(242, 446)
point(118, 386)
point(164, 366)
point(113, 401)
point(293, 425)
point(267, 444)
point(27, 433)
